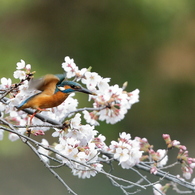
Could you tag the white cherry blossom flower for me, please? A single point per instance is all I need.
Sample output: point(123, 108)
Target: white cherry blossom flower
point(20, 65)
point(133, 96)
point(76, 121)
point(69, 67)
point(125, 136)
point(91, 117)
point(5, 83)
point(121, 154)
point(91, 79)
point(162, 157)
point(80, 74)
point(99, 142)
point(103, 84)
point(19, 74)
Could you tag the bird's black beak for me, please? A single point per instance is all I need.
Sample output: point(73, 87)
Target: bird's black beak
point(83, 90)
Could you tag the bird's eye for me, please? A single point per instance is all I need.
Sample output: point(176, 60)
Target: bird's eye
point(74, 86)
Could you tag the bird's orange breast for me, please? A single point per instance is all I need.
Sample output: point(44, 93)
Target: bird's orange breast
point(46, 101)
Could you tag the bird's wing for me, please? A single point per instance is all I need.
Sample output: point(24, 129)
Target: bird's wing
point(47, 84)
point(23, 105)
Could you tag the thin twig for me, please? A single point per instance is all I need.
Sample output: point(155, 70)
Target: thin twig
point(167, 176)
point(82, 109)
point(144, 178)
point(114, 183)
point(170, 166)
point(50, 169)
point(178, 190)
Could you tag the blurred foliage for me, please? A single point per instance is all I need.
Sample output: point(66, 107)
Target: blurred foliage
point(148, 43)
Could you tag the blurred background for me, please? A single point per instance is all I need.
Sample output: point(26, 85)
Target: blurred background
point(149, 43)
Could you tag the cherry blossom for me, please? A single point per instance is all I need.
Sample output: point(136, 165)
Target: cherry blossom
point(19, 74)
point(126, 151)
point(91, 79)
point(78, 142)
point(91, 117)
point(5, 83)
point(20, 65)
point(162, 157)
point(116, 103)
point(70, 67)
point(159, 188)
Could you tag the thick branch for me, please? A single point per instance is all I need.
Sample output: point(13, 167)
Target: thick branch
point(42, 117)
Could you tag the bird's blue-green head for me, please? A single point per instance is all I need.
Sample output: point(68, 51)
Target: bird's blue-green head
point(71, 86)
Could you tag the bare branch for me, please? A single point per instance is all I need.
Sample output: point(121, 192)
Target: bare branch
point(178, 190)
point(50, 169)
point(167, 176)
point(82, 109)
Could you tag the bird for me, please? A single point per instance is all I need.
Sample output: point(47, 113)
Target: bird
point(54, 90)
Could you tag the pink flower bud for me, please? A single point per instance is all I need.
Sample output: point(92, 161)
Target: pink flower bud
point(38, 132)
point(153, 170)
point(182, 147)
point(166, 136)
point(175, 142)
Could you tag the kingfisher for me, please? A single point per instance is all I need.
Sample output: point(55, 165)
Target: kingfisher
point(54, 90)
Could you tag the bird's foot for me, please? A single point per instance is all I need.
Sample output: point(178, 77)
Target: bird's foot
point(40, 109)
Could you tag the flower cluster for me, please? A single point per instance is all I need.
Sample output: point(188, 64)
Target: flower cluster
point(111, 103)
point(78, 142)
point(22, 69)
point(126, 151)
